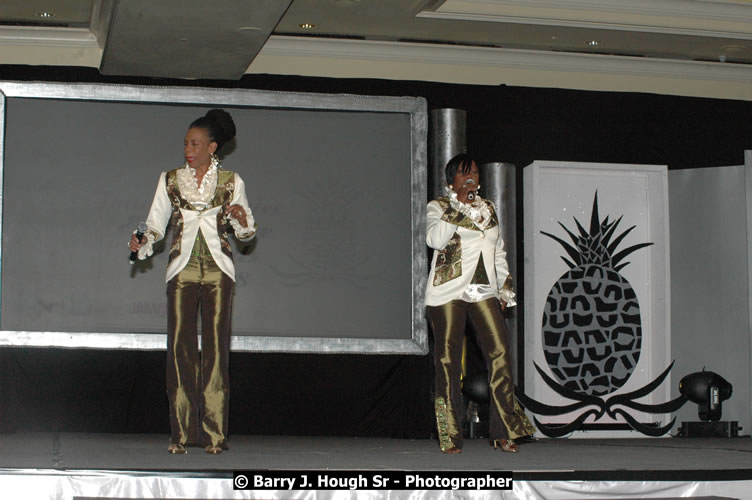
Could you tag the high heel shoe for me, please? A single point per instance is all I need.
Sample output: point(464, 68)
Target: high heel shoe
point(176, 449)
point(506, 445)
point(213, 450)
point(453, 450)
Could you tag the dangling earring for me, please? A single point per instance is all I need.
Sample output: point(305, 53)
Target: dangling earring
point(214, 160)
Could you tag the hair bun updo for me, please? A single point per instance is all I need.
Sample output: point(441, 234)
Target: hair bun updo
point(219, 125)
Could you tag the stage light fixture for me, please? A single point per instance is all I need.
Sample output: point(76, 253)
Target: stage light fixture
point(475, 387)
point(476, 391)
point(708, 390)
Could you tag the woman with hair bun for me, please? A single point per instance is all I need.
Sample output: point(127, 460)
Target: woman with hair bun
point(202, 203)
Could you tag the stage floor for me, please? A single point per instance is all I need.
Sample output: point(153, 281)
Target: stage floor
point(661, 459)
point(72, 466)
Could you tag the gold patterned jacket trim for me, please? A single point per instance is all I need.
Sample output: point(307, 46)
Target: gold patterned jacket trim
point(449, 259)
point(448, 262)
point(453, 216)
point(222, 195)
point(442, 424)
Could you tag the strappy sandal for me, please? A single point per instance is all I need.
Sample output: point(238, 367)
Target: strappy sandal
point(506, 445)
point(213, 450)
point(453, 450)
point(176, 449)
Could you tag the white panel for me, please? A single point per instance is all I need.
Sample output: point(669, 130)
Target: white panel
point(709, 282)
point(560, 192)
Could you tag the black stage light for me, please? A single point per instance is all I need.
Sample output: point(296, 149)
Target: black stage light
point(475, 389)
point(708, 390)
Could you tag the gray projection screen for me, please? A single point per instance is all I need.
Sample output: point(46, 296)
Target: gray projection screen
point(337, 184)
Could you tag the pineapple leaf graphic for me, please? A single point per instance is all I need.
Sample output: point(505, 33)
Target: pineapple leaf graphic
point(592, 331)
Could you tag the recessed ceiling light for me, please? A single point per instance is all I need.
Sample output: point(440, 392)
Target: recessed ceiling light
point(45, 15)
point(306, 26)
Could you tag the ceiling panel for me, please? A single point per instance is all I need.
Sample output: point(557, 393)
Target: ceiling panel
point(219, 39)
point(188, 39)
point(72, 12)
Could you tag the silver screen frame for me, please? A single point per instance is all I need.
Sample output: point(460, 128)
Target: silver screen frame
point(414, 106)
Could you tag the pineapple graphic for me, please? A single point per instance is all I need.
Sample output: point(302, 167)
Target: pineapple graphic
point(592, 331)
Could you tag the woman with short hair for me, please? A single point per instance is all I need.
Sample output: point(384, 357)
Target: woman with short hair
point(469, 280)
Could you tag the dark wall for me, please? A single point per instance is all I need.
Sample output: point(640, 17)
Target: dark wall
point(521, 124)
point(82, 390)
point(123, 391)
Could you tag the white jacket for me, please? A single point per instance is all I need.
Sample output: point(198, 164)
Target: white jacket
point(458, 246)
point(191, 210)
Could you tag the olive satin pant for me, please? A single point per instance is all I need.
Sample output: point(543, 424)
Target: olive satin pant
point(198, 386)
point(506, 420)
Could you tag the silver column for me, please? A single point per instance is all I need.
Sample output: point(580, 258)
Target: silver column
point(498, 183)
point(446, 139)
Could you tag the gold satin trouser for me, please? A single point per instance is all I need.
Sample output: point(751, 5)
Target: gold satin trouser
point(505, 420)
point(198, 385)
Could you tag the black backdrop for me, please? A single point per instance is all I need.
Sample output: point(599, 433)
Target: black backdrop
point(358, 395)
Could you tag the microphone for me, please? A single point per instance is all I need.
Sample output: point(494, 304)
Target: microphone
point(140, 230)
point(471, 194)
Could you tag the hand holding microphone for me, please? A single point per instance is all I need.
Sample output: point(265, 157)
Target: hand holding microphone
point(469, 189)
point(136, 241)
point(471, 194)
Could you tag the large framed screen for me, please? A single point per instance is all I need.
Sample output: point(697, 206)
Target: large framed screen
point(337, 184)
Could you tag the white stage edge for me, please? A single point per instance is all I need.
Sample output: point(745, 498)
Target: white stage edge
point(72, 485)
